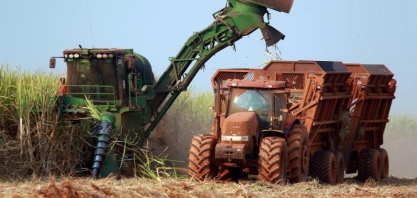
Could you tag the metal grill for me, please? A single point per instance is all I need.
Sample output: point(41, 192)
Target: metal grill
point(294, 81)
point(223, 76)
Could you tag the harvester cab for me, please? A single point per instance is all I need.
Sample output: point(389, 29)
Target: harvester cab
point(110, 78)
point(117, 85)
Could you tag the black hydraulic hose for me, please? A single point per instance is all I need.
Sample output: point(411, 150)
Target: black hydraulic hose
point(105, 129)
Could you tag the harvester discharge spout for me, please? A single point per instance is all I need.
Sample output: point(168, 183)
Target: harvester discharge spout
point(270, 34)
point(105, 129)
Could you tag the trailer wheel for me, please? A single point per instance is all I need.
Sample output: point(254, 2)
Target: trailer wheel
point(340, 170)
point(384, 163)
point(298, 154)
point(201, 157)
point(369, 165)
point(272, 160)
point(323, 166)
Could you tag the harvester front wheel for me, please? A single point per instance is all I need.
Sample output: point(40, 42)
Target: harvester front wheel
point(201, 157)
point(384, 163)
point(323, 166)
point(272, 160)
point(340, 170)
point(298, 154)
point(369, 165)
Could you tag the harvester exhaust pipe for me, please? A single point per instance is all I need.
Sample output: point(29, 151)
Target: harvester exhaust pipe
point(105, 129)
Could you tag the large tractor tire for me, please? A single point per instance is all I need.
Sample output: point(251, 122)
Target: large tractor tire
point(323, 166)
point(272, 160)
point(369, 165)
point(298, 154)
point(201, 157)
point(384, 163)
point(340, 169)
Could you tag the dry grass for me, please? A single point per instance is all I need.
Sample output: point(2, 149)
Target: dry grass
point(140, 187)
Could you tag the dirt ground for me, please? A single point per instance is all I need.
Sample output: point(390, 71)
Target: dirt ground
point(392, 187)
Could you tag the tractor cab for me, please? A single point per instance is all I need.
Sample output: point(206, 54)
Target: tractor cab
point(253, 107)
point(264, 98)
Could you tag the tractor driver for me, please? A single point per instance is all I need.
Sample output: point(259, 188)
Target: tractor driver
point(255, 101)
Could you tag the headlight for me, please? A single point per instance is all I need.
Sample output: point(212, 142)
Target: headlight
point(234, 138)
point(65, 55)
point(76, 55)
point(71, 56)
point(104, 55)
point(111, 56)
point(99, 56)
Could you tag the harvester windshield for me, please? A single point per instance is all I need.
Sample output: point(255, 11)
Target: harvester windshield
point(94, 78)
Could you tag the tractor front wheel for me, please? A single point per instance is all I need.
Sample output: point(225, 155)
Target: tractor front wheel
point(272, 160)
point(201, 157)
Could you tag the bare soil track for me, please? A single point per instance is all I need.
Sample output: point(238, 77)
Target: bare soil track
point(140, 187)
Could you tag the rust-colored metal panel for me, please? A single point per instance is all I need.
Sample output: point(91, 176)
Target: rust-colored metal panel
point(323, 97)
point(372, 88)
point(255, 83)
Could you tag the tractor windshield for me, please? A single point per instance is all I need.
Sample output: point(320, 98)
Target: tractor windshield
point(259, 101)
point(94, 78)
point(267, 105)
point(250, 100)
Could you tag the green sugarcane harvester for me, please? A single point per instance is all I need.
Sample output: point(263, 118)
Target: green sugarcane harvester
point(121, 85)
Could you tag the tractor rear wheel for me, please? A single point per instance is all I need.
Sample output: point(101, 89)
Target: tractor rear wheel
point(384, 163)
point(323, 166)
point(298, 154)
point(369, 165)
point(340, 170)
point(272, 160)
point(201, 157)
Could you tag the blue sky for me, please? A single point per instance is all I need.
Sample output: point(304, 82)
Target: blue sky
point(372, 31)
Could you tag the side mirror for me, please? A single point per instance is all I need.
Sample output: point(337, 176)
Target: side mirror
point(52, 63)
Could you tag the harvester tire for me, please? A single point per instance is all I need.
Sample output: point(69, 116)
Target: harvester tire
point(272, 160)
point(369, 165)
point(384, 163)
point(323, 166)
point(340, 170)
point(200, 158)
point(298, 154)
